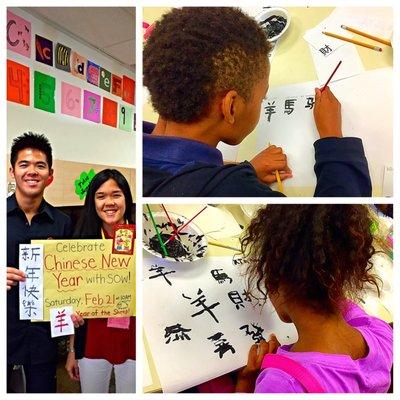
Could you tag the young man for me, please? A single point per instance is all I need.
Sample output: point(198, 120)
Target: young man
point(29, 217)
point(207, 73)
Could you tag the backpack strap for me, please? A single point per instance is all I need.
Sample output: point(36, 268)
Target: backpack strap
point(294, 369)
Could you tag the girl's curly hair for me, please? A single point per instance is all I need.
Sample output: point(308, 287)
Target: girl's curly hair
point(319, 252)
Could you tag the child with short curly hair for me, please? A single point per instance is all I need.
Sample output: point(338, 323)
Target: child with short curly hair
point(207, 71)
point(311, 260)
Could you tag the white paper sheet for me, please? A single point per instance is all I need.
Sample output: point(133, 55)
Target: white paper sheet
point(60, 321)
point(31, 291)
point(193, 356)
point(351, 63)
point(367, 109)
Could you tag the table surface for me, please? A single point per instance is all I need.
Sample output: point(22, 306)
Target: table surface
point(290, 52)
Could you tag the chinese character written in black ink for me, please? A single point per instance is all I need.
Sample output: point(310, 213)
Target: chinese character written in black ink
point(160, 272)
point(200, 302)
point(31, 273)
point(29, 307)
point(325, 50)
point(220, 277)
point(236, 299)
point(237, 260)
point(289, 106)
point(310, 103)
point(222, 344)
point(28, 253)
point(178, 331)
point(256, 333)
point(247, 295)
point(30, 291)
point(269, 110)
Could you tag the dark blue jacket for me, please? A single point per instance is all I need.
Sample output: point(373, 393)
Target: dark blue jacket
point(340, 166)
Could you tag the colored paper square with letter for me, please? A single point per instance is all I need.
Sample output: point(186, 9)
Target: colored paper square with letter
point(18, 83)
point(78, 65)
point(110, 110)
point(116, 87)
point(63, 57)
point(125, 118)
point(44, 50)
point(128, 89)
point(45, 86)
point(93, 73)
point(71, 100)
point(91, 106)
point(19, 34)
point(105, 79)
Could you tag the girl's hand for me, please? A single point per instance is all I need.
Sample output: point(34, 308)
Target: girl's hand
point(247, 376)
point(71, 366)
point(77, 320)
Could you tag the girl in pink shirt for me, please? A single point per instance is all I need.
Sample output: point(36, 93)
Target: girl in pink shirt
point(310, 259)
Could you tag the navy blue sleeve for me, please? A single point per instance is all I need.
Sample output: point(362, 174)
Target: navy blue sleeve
point(341, 168)
point(148, 127)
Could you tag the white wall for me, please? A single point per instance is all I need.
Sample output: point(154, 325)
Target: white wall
point(72, 139)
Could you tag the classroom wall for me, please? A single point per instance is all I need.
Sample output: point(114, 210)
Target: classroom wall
point(77, 143)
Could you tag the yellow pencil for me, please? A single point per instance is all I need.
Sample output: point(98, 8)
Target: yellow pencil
point(367, 35)
point(346, 39)
point(278, 177)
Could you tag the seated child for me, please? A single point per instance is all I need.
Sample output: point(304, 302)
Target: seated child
point(310, 260)
point(207, 72)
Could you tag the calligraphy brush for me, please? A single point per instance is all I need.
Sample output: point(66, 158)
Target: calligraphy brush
point(184, 226)
point(333, 73)
point(278, 177)
point(164, 249)
point(169, 219)
point(223, 246)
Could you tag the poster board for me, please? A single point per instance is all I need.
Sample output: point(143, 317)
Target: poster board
point(189, 344)
point(86, 274)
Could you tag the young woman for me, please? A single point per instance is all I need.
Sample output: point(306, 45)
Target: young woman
point(311, 260)
point(97, 349)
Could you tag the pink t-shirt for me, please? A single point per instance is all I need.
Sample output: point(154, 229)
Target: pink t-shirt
point(338, 373)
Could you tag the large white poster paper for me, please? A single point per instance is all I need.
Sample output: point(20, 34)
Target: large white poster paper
point(367, 110)
point(199, 320)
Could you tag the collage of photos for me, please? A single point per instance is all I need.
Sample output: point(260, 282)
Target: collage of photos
point(150, 245)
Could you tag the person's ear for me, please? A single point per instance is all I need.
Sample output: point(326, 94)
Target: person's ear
point(50, 179)
point(11, 170)
point(228, 106)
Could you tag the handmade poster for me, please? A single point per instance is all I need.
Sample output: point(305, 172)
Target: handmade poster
point(86, 275)
point(93, 73)
point(125, 118)
point(71, 100)
point(82, 183)
point(200, 321)
point(44, 93)
point(18, 34)
point(287, 121)
point(63, 57)
point(31, 291)
point(91, 106)
point(105, 79)
point(128, 89)
point(78, 65)
point(60, 321)
point(110, 109)
point(18, 83)
point(44, 50)
point(116, 85)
